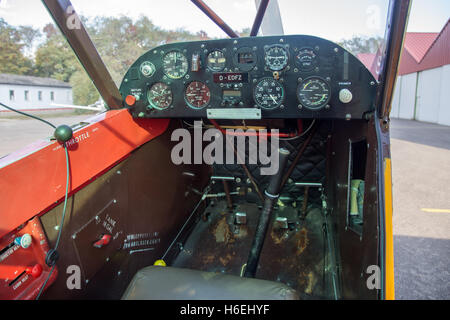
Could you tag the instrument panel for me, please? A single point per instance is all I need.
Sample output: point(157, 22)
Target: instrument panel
point(273, 77)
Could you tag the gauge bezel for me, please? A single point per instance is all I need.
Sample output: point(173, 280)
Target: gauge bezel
point(147, 63)
point(245, 67)
point(152, 105)
point(207, 60)
point(288, 56)
point(282, 98)
point(322, 105)
point(315, 61)
point(165, 68)
point(191, 105)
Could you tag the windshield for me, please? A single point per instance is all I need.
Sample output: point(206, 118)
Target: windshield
point(124, 30)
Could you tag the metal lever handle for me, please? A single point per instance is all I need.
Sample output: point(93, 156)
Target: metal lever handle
point(105, 240)
point(271, 196)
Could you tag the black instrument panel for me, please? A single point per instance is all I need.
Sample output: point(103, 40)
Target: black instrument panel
point(273, 77)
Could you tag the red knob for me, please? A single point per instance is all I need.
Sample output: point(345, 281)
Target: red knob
point(35, 271)
point(130, 100)
point(105, 240)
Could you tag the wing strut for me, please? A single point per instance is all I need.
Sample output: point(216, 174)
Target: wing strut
point(72, 28)
point(215, 18)
point(259, 18)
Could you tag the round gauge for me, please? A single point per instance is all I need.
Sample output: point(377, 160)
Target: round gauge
point(147, 69)
point(245, 59)
point(269, 93)
point(216, 60)
point(314, 93)
point(306, 59)
point(160, 96)
point(197, 95)
point(277, 58)
point(175, 65)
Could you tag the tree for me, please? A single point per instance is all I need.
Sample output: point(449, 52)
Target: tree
point(54, 58)
point(84, 91)
point(12, 58)
point(360, 44)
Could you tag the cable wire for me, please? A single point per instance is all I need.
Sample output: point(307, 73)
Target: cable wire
point(65, 196)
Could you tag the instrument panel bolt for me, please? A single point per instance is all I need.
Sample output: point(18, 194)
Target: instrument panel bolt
point(372, 83)
point(336, 50)
point(281, 40)
point(114, 201)
point(300, 106)
point(74, 236)
point(282, 107)
point(327, 107)
point(119, 273)
point(235, 41)
point(348, 117)
point(238, 180)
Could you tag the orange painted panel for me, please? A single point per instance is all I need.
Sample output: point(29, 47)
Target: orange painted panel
point(33, 179)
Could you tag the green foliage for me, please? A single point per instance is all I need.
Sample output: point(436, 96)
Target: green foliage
point(83, 90)
point(12, 57)
point(119, 41)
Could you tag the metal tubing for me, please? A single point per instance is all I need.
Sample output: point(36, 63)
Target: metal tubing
point(299, 155)
point(63, 12)
point(263, 223)
point(259, 18)
point(215, 18)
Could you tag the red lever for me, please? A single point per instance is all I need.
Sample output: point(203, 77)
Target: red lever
point(105, 240)
point(35, 271)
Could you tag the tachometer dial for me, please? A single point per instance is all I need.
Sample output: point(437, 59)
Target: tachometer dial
point(197, 95)
point(314, 93)
point(276, 57)
point(175, 65)
point(216, 60)
point(160, 96)
point(268, 93)
point(306, 59)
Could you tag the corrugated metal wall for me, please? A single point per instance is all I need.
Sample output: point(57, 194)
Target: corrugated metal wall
point(423, 96)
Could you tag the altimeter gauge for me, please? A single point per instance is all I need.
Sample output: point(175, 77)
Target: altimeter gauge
point(175, 65)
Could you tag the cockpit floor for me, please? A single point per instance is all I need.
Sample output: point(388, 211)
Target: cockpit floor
point(293, 256)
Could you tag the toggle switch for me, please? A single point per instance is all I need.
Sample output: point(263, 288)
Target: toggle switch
point(24, 241)
point(105, 240)
point(35, 271)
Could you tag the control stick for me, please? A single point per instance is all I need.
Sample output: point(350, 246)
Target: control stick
point(271, 197)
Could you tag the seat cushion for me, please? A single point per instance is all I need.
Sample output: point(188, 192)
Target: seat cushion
point(167, 283)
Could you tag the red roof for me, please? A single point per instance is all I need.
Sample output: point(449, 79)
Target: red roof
point(366, 59)
point(418, 43)
point(422, 51)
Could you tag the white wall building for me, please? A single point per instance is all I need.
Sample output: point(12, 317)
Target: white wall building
point(33, 93)
point(422, 91)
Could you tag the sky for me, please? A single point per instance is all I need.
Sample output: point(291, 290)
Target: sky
point(330, 19)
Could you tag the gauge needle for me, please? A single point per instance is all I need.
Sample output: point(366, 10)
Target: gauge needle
point(272, 97)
